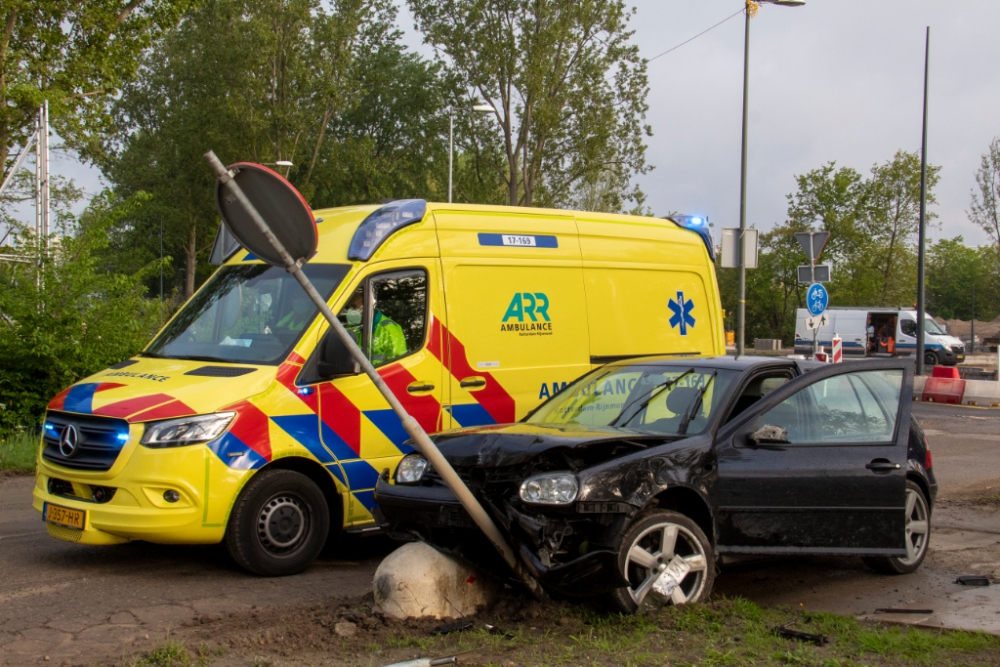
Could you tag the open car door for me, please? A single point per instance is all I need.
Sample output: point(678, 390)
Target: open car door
point(819, 466)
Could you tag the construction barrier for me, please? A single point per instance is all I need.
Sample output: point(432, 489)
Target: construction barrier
point(837, 349)
point(943, 390)
point(982, 393)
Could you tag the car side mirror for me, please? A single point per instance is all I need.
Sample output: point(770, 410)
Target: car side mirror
point(768, 434)
point(334, 358)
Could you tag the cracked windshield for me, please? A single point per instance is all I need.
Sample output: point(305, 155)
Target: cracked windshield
point(245, 314)
point(674, 401)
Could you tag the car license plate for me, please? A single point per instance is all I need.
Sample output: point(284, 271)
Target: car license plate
point(64, 516)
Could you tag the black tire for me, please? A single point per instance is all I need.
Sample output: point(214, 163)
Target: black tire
point(930, 359)
point(279, 524)
point(919, 542)
point(647, 534)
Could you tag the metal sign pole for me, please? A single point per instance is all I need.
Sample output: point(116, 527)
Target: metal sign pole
point(812, 281)
point(412, 427)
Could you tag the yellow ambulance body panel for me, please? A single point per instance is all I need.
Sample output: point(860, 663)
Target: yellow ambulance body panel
point(472, 314)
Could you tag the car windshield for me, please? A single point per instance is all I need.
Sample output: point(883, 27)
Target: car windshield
point(932, 327)
point(252, 313)
point(668, 400)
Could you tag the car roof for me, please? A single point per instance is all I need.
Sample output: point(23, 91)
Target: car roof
point(741, 363)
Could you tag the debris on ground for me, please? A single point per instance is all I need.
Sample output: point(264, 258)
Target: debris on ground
point(788, 633)
point(893, 610)
point(973, 580)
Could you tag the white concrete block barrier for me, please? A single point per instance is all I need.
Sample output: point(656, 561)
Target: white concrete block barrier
point(982, 393)
point(918, 387)
point(417, 581)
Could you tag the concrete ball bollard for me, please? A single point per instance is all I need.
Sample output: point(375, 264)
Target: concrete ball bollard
point(416, 581)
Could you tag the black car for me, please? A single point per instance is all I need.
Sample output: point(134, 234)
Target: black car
point(640, 474)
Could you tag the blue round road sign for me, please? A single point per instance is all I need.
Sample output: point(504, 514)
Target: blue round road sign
point(817, 299)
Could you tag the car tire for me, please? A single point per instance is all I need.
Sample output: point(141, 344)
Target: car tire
point(930, 359)
point(918, 535)
point(647, 535)
point(279, 524)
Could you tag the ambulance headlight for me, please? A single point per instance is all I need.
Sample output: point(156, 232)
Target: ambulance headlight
point(411, 469)
point(555, 488)
point(186, 430)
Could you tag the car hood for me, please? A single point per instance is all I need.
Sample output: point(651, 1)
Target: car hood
point(146, 389)
point(511, 444)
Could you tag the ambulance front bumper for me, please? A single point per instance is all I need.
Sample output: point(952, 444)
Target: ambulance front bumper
point(167, 496)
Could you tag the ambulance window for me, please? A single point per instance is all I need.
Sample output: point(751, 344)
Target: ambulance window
point(397, 318)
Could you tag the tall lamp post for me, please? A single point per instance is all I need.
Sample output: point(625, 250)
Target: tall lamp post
point(478, 108)
point(741, 305)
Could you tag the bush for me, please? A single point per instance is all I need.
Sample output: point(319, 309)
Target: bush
point(69, 318)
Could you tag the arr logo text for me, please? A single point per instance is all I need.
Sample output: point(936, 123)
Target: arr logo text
point(528, 314)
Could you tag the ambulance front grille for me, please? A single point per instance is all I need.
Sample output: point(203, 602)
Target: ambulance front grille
point(99, 441)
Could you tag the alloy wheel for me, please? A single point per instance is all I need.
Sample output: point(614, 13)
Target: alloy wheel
point(917, 527)
point(650, 553)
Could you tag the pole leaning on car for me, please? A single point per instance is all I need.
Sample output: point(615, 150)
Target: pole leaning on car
point(424, 444)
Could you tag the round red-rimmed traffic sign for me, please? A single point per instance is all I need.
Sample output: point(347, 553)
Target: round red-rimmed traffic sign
point(278, 202)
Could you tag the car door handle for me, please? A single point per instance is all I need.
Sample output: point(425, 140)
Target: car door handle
point(472, 382)
point(882, 465)
point(416, 388)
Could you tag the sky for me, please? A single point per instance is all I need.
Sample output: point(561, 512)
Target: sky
point(833, 80)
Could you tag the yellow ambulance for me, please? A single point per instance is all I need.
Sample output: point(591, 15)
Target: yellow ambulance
point(244, 421)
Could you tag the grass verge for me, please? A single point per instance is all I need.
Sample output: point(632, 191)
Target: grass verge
point(18, 450)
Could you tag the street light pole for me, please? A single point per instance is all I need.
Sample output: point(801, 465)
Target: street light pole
point(741, 304)
point(923, 221)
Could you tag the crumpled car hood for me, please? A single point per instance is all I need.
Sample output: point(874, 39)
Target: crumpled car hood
point(511, 444)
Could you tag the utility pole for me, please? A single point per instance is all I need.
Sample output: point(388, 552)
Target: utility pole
point(923, 217)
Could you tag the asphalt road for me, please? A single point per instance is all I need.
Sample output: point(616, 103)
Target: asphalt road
point(78, 604)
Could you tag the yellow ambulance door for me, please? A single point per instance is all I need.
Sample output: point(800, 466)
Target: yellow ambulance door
point(392, 311)
point(651, 284)
point(517, 318)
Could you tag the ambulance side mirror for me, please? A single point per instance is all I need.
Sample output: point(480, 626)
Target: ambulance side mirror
point(334, 358)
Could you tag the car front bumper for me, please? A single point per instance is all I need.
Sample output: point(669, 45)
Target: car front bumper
point(434, 515)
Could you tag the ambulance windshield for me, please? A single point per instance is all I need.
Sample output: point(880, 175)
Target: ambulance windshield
point(250, 314)
point(668, 400)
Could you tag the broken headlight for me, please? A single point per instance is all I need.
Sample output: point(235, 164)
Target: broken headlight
point(554, 488)
point(411, 469)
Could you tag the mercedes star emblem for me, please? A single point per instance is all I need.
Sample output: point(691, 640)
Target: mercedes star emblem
point(68, 441)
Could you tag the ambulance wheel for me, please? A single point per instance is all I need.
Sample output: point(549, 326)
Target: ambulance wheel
point(279, 524)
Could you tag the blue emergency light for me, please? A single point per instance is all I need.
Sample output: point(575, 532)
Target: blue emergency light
point(696, 224)
point(381, 224)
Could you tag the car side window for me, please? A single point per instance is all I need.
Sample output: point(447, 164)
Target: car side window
point(389, 320)
point(859, 407)
point(908, 327)
point(398, 315)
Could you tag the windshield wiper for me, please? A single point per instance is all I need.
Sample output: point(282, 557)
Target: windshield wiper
point(657, 390)
point(695, 405)
point(195, 357)
point(151, 355)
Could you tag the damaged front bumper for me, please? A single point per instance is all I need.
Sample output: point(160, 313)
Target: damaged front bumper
point(434, 515)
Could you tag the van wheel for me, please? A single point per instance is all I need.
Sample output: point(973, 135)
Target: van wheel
point(930, 359)
point(649, 545)
point(279, 524)
point(918, 536)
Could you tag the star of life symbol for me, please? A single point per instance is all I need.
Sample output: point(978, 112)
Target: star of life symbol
point(681, 313)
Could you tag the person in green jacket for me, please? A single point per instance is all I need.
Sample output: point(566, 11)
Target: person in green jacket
point(388, 341)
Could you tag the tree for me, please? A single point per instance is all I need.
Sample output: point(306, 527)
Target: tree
point(76, 55)
point(567, 86)
point(71, 318)
point(331, 91)
point(985, 206)
point(953, 271)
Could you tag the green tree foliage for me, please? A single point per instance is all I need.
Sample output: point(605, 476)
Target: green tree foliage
point(72, 318)
point(75, 54)
point(332, 91)
point(873, 224)
point(568, 88)
point(953, 271)
point(985, 207)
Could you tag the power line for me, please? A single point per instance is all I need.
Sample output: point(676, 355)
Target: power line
point(696, 36)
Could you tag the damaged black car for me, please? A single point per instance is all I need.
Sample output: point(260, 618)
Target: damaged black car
point(636, 479)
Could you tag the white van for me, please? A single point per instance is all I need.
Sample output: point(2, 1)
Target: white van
point(866, 331)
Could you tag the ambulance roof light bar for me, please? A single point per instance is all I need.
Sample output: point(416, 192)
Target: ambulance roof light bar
point(381, 224)
point(697, 224)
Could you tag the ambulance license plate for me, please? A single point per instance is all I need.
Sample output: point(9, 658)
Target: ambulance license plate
point(64, 516)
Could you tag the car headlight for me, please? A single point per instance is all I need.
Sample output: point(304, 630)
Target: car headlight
point(557, 488)
point(411, 469)
point(187, 430)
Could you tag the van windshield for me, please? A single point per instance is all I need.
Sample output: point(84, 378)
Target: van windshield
point(931, 327)
point(253, 313)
